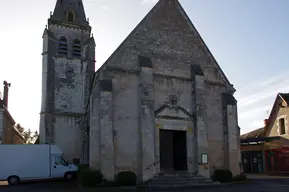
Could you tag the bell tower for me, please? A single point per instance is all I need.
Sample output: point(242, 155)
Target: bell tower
point(68, 65)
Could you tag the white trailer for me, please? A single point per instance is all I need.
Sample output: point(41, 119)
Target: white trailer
point(33, 162)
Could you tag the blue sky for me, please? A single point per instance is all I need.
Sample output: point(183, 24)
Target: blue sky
point(249, 39)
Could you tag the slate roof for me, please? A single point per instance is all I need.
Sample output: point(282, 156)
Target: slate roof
point(255, 134)
point(285, 96)
point(61, 8)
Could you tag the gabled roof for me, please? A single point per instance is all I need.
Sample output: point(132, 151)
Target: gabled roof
point(265, 131)
point(285, 97)
point(255, 134)
point(274, 111)
point(158, 9)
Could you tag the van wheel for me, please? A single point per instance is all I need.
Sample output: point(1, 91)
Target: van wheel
point(13, 180)
point(68, 176)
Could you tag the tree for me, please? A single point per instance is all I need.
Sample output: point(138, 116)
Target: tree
point(29, 136)
point(19, 128)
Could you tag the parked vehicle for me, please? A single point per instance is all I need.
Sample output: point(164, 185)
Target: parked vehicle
point(33, 162)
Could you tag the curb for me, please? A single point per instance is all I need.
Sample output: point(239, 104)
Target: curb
point(102, 189)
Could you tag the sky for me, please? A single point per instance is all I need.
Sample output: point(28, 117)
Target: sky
point(249, 39)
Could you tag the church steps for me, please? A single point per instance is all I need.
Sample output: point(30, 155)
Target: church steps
point(178, 180)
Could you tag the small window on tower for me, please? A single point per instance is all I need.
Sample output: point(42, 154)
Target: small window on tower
point(63, 46)
point(76, 48)
point(70, 16)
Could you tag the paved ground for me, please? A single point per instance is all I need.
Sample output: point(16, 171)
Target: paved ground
point(255, 183)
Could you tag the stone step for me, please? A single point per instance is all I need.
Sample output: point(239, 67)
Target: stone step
point(180, 177)
point(179, 181)
point(179, 186)
point(176, 180)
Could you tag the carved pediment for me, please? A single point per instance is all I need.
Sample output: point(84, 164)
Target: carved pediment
point(173, 112)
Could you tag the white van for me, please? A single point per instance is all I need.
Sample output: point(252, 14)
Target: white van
point(33, 162)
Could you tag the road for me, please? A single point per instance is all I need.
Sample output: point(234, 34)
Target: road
point(273, 184)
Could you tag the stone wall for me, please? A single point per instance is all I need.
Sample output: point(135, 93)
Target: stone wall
point(65, 86)
point(282, 113)
point(126, 121)
point(67, 136)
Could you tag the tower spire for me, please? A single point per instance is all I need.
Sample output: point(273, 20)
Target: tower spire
point(69, 11)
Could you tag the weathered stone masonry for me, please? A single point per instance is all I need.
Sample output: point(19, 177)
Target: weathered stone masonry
point(66, 76)
point(161, 77)
point(164, 56)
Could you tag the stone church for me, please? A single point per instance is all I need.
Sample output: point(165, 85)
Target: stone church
point(160, 103)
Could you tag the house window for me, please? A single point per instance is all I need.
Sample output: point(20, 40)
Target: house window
point(70, 16)
point(282, 129)
point(63, 46)
point(76, 48)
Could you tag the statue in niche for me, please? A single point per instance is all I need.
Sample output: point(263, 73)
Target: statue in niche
point(173, 101)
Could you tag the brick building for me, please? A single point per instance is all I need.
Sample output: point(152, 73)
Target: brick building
point(160, 103)
point(8, 133)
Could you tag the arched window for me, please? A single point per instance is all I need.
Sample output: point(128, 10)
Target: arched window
point(70, 16)
point(76, 48)
point(63, 46)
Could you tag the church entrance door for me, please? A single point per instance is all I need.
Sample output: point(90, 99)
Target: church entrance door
point(173, 150)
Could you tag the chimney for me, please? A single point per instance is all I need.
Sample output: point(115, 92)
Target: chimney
point(265, 122)
point(5, 97)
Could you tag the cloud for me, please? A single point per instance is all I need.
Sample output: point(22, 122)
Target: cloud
point(148, 1)
point(256, 100)
point(104, 7)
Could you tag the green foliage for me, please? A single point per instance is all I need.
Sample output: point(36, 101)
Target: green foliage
point(29, 136)
point(88, 177)
point(222, 175)
point(126, 178)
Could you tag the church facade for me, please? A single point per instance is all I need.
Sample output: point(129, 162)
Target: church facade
point(160, 103)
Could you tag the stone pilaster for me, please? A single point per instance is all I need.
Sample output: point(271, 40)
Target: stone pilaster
point(106, 129)
point(94, 129)
point(200, 135)
point(190, 148)
point(231, 134)
point(146, 120)
point(101, 129)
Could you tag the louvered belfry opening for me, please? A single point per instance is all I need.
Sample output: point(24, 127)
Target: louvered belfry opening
point(63, 46)
point(76, 48)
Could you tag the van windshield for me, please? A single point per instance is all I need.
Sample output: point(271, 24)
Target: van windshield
point(66, 161)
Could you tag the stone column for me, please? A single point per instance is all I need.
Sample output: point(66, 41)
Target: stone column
point(146, 120)
point(200, 134)
point(101, 130)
